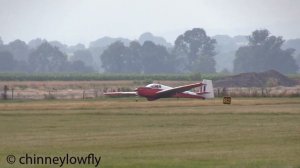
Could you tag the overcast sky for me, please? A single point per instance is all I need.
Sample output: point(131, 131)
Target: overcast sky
point(74, 21)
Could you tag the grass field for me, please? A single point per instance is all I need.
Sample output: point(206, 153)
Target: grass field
point(256, 132)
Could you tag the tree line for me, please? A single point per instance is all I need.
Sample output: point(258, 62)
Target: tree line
point(17, 57)
point(192, 52)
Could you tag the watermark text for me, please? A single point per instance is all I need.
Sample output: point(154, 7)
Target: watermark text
point(33, 159)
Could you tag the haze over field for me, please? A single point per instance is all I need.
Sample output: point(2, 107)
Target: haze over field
point(149, 36)
point(74, 21)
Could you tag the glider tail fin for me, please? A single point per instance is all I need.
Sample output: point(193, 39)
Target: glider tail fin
point(209, 89)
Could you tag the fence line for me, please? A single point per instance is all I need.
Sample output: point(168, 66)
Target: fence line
point(22, 94)
point(258, 92)
point(34, 94)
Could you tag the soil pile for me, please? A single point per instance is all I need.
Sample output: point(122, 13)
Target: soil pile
point(269, 78)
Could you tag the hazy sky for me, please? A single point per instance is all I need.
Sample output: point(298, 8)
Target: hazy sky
point(73, 21)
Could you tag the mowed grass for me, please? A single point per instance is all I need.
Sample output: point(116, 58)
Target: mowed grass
point(263, 132)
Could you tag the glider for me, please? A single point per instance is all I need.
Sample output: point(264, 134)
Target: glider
point(156, 91)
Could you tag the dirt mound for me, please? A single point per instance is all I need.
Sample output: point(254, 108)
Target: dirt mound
point(269, 78)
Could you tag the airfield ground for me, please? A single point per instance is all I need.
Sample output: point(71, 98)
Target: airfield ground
point(252, 132)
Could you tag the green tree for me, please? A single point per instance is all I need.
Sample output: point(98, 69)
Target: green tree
point(79, 66)
point(22, 66)
point(7, 62)
point(35, 43)
point(148, 58)
point(112, 57)
point(156, 59)
point(132, 58)
point(298, 61)
point(264, 53)
point(47, 58)
point(195, 51)
point(83, 55)
point(19, 50)
point(118, 58)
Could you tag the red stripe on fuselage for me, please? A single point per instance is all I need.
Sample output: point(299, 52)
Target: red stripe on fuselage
point(147, 92)
point(150, 94)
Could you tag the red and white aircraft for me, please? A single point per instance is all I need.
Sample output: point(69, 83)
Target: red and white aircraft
point(157, 91)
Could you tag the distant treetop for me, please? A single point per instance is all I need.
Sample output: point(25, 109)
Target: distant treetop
point(263, 53)
point(155, 39)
